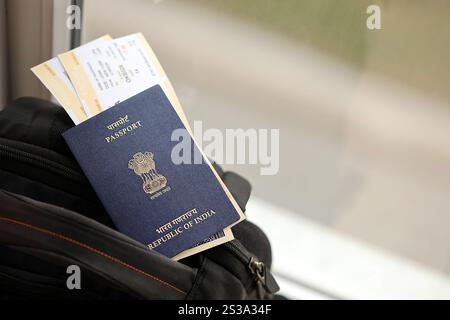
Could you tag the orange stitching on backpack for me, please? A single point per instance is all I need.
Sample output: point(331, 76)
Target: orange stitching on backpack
point(87, 247)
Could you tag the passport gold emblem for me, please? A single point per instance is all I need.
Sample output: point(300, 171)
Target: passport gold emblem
point(143, 165)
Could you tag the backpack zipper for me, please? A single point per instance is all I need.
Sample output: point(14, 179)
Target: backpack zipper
point(41, 162)
point(257, 268)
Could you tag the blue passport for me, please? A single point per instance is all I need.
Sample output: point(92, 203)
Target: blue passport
point(126, 153)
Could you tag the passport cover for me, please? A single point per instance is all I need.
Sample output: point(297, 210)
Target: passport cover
point(125, 152)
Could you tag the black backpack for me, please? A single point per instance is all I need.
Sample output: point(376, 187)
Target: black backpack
point(51, 218)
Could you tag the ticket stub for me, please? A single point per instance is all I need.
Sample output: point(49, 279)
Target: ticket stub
point(106, 73)
point(53, 76)
point(86, 65)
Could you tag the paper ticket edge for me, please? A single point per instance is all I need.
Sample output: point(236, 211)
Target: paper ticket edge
point(80, 80)
point(166, 82)
point(214, 243)
point(59, 89)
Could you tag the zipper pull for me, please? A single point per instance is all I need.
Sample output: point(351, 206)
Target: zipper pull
point(263, 278)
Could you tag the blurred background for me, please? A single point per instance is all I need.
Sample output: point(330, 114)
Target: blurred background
point(360, 207)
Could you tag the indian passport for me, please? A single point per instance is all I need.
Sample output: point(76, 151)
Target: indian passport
point(126, 152)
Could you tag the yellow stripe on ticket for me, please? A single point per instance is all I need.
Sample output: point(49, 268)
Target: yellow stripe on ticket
point(59, 89)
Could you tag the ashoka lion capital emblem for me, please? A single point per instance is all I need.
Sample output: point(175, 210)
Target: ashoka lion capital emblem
point(144, 166)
